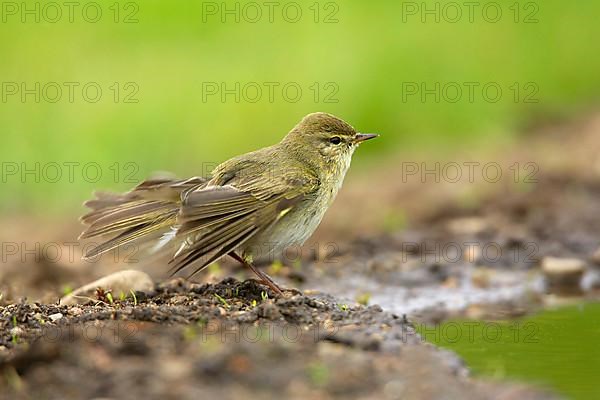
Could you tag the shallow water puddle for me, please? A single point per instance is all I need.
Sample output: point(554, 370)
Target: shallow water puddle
point(558, 348)
point(414, 300)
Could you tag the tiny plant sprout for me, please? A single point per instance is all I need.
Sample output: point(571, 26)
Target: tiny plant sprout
point(276, 267)
point(66, 290)
point(133, 296)
point(14, 339)
point(222, 300)
point(215, 268)
point(363, 298)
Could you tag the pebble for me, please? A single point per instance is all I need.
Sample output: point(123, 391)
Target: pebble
point(76, 311)
point(467, 225)
point(16, 331)
point(481, 277)
point(562, 266)
point(173, 369)
point(563, 275)
point(55, 317)
point(375, 308)
point(118, 282)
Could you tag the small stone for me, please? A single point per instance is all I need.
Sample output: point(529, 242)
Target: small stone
point(179, 300)
point(481, 277)
point(17, 331)
point(467, 225)
point(173, 369)
point(553, 300)
point(375, 308)
point(475, 311)
point(75, 311)
point(451, 283)
point(55, 317)
point(120, 282)
point(563, 275)
point(560, 266)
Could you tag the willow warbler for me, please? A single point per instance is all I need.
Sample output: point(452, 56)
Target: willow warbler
point(251, 206)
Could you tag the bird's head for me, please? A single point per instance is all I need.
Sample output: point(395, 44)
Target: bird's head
point(327, 137)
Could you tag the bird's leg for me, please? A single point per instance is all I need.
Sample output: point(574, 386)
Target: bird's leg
point(266, 279)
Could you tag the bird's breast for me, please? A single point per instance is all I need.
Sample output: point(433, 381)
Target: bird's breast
point(297, 225)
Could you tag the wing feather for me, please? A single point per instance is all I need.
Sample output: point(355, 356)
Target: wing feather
point(216, 220)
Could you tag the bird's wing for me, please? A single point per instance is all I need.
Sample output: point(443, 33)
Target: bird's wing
point(215, 220)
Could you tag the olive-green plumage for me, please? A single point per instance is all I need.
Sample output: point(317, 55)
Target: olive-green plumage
point(254, 205)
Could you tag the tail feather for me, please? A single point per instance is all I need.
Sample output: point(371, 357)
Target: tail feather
point(129, 215)
point(132, 234)
point(104, 204)
point(144, 213)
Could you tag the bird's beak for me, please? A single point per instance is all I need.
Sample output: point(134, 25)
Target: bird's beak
point(361, 137)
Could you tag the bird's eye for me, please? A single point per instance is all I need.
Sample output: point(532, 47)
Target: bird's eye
point(335, 140)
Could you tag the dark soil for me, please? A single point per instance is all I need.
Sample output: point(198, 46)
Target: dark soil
point(227, 340)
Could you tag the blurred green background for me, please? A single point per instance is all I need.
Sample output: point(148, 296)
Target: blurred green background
point(361, 55)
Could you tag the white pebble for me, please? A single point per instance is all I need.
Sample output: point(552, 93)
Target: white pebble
point(55, 317)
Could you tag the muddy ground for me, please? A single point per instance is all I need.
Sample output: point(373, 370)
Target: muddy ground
point(422, 252)
point(227, 340)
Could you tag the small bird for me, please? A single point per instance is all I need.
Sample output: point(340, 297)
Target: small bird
point(251, 206)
